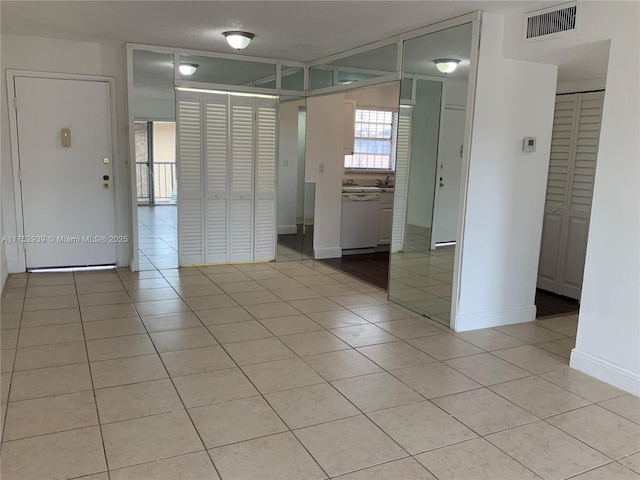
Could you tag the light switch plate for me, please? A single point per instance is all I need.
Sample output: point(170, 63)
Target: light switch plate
point(528, 144)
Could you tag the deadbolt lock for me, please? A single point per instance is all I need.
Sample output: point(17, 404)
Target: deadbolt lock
point(106, 185)
point(106, 160)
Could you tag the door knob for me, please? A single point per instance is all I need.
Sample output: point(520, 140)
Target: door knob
point(105, 185)
point(441, 184)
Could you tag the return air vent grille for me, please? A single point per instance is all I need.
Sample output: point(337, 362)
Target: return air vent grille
point(550, 22)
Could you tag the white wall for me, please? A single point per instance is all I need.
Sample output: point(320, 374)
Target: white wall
point(288, 167)
point(608, 342)
point(382, 96)
point(62, 56)
point(500, 242)
point(325, 130)
point(425, 125)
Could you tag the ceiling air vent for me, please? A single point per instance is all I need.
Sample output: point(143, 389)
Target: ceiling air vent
point(551, 22)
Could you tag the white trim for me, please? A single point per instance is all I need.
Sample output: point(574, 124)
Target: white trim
point(497, 318)
point(134, 264)
point(15, 155)
point(464, 177)
point(331, 252)
point(606, 371)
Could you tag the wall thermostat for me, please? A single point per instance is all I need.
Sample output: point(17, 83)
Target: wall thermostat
point(528, 144)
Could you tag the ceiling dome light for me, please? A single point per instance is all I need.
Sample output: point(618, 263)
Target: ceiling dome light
point(188, 69)
point(238, 39)
point(446, 65)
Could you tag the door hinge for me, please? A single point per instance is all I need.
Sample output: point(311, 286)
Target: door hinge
point(20, 175)
point(15, 102)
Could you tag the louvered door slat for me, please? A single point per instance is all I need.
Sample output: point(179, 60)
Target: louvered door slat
point(241, 195)
point(216, 144)
point(403, 155)
point(190, 186)
point(265, 204)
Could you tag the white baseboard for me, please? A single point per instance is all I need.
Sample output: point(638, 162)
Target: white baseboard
point(475, 321)
point(15, 267)
point(287, 229)
point(606, 371)
point(332, 252)
point(5, 275)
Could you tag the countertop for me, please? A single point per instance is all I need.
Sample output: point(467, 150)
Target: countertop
point(363, 189)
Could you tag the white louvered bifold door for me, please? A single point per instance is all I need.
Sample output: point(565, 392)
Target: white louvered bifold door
point(190, 185)
point(574, 149)
point(242, 160)
point(265, 180)
point(216, 116)
point(403, 156)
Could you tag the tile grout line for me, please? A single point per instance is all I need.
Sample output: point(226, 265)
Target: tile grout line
point(95, 400)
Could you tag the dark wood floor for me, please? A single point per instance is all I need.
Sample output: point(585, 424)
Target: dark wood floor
point(374, 268)
point(369, 267)
point(549, 303)
point(299, 242)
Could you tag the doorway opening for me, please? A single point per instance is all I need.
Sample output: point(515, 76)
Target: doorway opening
point(156, 185)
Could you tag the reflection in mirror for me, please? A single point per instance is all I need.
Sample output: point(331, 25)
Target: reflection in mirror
point(430, 141)
point(356, 68)
point(156, 182)
point(226, 71)
point(291, 186)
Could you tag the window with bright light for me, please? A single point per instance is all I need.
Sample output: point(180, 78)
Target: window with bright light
point(374, 146)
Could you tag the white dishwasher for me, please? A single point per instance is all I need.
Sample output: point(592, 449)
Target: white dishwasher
point(359, 226)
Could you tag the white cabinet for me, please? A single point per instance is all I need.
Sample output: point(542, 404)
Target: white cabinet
point(349, 126)
point(385, 218)
point(226, 149)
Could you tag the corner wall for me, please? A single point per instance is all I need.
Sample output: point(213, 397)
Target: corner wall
point(325, 131)
point(608, 341)
point(500, 241)
point(40, 54)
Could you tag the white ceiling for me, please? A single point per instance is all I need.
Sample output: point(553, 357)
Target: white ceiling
point(302, 30)
point(294, 30)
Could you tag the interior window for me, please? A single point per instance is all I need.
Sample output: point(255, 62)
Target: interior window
point(374, 145)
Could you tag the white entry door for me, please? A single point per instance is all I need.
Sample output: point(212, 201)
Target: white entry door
point(448, 175)
point(66, 179)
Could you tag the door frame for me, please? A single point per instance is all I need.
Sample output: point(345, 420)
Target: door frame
point(15, 153)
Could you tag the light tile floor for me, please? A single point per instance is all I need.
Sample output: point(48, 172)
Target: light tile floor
point(260, 371)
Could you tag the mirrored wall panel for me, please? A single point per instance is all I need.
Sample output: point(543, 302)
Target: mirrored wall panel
point(430, 146)
point(155, 158)
point(226, 71)
point(293, 234)
point(354, 69)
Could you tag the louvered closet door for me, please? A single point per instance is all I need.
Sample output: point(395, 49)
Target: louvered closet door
point(574, 150)
point(403, 155)
point(265, 184)
point(190, 184)
point(216, 116)
point(557, 191)
point(241, 198)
